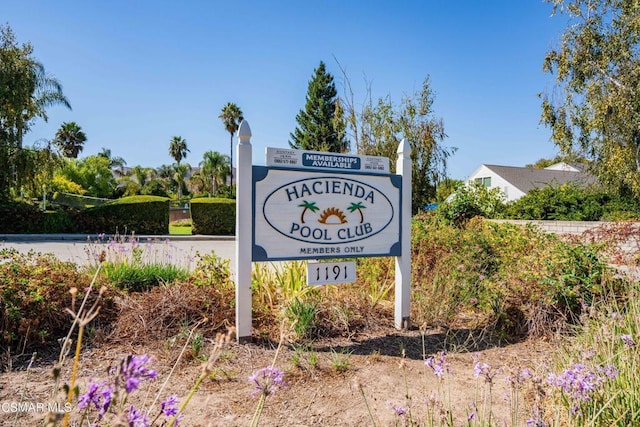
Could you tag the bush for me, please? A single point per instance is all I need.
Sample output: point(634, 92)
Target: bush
point(20, 218)
point(34, 292)
point(570, 202)
point(515, 280)
point(472, 200)
point(135, 214)
point(58, 221)
point(213, 216)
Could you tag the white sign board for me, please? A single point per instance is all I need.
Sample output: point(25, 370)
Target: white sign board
point(324, 273)
point(300, 214)
point(288, 157)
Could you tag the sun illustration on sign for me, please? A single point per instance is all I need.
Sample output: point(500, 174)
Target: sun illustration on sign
point(332, 216)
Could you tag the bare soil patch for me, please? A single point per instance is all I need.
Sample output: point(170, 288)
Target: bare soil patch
point(385, 368)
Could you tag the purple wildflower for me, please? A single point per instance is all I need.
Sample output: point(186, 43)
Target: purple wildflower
point(136, 418)
point(485, 370)
point(609, 371)
point(471, 417)
point(133, 371)
point(628, 340)
point(169, 407)
point(438, 365)
point(399, 410)
point(98, 394)
point(267, 380)
point(579, 382)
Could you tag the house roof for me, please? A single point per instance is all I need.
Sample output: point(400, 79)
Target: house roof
point(524, 179)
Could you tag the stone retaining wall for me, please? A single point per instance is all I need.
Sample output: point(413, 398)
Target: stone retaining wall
point(558, 227)
point(629, 249)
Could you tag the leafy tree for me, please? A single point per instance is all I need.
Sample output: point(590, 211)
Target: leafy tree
point(215, 167)
point(447, 187)
point(70, 139)
point(470, 201)
point(231, 117)
point(93, 174)
point(595, 108)
point(39, 163)
point(26, 91)
point(566, 158)
point(379, 127)
point(321, 125)
point(178, 148)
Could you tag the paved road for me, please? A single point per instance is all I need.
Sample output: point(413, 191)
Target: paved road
point(179, 250)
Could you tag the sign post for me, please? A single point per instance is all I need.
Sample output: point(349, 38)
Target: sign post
point(314, 205)
point(403, 262)
point(243, 233)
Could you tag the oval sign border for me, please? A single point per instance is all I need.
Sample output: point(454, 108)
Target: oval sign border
point(393, 211)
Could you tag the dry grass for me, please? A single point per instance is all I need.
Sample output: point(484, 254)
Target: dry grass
point(165, 311)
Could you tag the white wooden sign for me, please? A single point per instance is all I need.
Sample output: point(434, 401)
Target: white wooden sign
point(325, 273)
point(309, 205)
point(300, 214)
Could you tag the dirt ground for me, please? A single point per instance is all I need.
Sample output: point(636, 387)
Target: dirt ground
point(342, 382)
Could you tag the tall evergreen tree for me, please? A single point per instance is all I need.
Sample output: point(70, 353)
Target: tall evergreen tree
point(321, 125)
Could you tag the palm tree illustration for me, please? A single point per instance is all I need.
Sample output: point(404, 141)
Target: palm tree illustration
point(357, 206)
point(307, 205)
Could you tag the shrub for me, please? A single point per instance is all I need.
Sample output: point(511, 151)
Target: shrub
point(472, 200)
point(516, 280)
point(20, 218)
point(134, 214)
point(213, 216)
point(568, 202)
point(58, 221)
point(34, 292)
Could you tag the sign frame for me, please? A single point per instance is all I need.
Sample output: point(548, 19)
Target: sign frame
point(261, 254)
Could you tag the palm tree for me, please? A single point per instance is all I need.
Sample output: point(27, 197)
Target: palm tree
point(178, 148)
point(179, 174)
point(216, 166)
point(357, 206)
point(115, 161)
point(70, 139)
point(231, 117)
point(307, 206)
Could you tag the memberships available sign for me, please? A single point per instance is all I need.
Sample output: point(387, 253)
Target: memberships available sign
point(311, 214)
point(284, 157)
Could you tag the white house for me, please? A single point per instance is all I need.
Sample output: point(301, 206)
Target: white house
point(515, 182)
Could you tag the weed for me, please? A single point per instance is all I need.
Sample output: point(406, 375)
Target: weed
point(340, 360)
point(302, 316)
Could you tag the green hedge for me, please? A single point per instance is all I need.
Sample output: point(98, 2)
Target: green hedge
point(213, 216)
point(20, 218)
point(135, 214)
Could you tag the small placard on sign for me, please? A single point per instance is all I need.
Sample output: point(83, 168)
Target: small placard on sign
point(324, 273)
point(317, 160)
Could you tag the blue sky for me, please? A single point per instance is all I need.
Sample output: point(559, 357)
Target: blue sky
point(139, 72)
